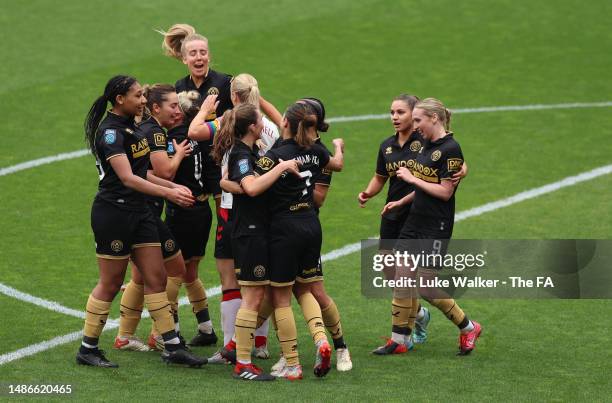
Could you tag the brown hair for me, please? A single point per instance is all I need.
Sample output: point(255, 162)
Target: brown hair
point(156, 94)
point(410, 100)
point(234, 126)
point(433, 106)
point(301, 116)
point(177, 37)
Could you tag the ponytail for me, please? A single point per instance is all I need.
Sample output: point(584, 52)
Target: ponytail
point(176, 37)
point(117, 85)
point(234, 126)
point(224, 139)
point(246, 89)
point(301, 117)
point(92, 120)
point(431, 106)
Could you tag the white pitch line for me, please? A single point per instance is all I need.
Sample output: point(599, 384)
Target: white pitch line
point(496, 205)
point(340, 119)
point(56, 307)
point(335, 254)
point(483, 109)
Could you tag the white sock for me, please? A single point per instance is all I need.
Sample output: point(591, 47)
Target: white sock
point(206, 327)
point(468, 328)
point(398, 338)
point(229, 309)
point(174, 340)
point(420, 313)
point(263, 329)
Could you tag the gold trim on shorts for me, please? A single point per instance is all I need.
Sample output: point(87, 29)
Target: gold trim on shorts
point(275, 284)
point(144, 245)
point(169, 258)
point(110, 257)
point(253, 283)
point(308, 280)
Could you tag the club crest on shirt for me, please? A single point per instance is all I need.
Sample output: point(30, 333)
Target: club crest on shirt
point(388, 150)
point(110, 136)
point(130, 131)
point(243, 165)
point(415, 145)
point(436, 155)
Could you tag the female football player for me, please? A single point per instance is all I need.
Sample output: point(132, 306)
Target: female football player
point(240, 128)
point(295, 234)
point(244, 89)
point(160, 112)
point(432, 212)
point(122, 223)
point(191, 226)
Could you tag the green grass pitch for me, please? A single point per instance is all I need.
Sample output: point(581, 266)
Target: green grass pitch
point(356, 56)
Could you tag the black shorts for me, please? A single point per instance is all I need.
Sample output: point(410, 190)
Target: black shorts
point(311, 275)
point(169, 245)
point(421, 235)
point(191, 228)
point(390, 231)
point(251, 259)
point(295, 247)
point(223, 240)
point(156, 204)
point(117, 231)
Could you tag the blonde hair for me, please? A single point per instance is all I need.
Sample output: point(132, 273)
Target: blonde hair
point(246, 89)
point(431, 106)
point(177, 37)
point(189, 102)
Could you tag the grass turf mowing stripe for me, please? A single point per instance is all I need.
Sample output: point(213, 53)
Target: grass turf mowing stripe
point(80, 153)
point(335, 254)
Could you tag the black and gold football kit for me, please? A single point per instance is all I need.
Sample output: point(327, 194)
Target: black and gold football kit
point(322, 176)
point(190, 226)
point(250, 221)
point(156, 137)
point(391, 157)
point(295, 230)
point(431, 218)
point(215, 83)
point(120, 218)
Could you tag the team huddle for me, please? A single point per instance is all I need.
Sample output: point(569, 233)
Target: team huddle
point(212, 136)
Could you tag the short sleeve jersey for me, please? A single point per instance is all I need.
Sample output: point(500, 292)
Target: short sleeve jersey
point(227, 199)
point(250, 213)
point(391, 157)
point(269, 135)
point(214, 83)
point(189, 172)
point(324, 176)
point(437, 161)
point(219, 84)
point(156, 137)
point(118, 135)
point(291, 195)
